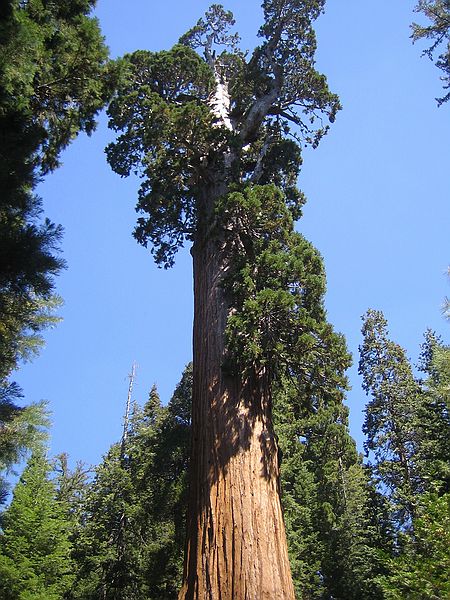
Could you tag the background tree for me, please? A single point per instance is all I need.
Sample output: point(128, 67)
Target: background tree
point(437, 30)
point(408, 427)
point(131, 540)
point(332, 535)
point(433, 453)
point(423, 569)
point(391, 424)
point(54, 78)
point(213, 133)
point(21, 431)
point(34, 546)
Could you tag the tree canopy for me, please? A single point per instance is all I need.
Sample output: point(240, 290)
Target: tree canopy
point(436, 31)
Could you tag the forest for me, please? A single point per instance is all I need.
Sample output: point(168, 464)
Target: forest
point(251, 479)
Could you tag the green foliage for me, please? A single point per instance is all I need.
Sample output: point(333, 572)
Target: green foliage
point(167, 129)
point(52, 72)
point(433, 452)
point(408, 428)
point(276, 285)
point(34, 546)
point(131, 543)
point(189, 122)
point(105, 561)
point(22, 323)
point(422, 572)
point(21, 430)
point(326, 501)
point(437, 31)
point(71, 486)
point(288, 30)
point(391, 423)
point(54, 78)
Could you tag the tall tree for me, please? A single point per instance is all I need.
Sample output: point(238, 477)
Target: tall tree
point(437, 30)
point(326, 498)
point(54, 78)
point(216, 137)
point(34, 546)
point(433, 452)
point(131, 540)
point(408, 427)
point(391, 424)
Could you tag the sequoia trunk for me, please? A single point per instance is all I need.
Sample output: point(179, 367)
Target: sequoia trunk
point(236, 544)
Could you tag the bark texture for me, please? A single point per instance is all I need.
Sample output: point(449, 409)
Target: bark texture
point(236, 544)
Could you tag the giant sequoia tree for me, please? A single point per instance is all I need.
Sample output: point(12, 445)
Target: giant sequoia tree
point(216, 136)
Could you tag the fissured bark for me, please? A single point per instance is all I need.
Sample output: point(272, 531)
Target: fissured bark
point(236, 543)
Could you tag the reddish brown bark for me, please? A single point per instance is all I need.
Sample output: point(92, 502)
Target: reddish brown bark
point(236, 544)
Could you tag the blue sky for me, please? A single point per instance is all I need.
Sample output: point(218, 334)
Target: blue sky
point(378, 191)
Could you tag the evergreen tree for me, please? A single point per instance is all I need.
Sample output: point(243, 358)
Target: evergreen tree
point(408, 427)
point(53, 81)
point(326, 499)
point(34, 546)
point(422, 571)
point(160, 474)
point(209, 131)
point(131, 543)
point(437, 30)
point(21, 431)
point(391, 424)
point(54, 78)
point(433, 453)
point(107, 546)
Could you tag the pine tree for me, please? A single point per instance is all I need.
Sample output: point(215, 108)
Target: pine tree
point(21, 431)
point(208, 129)
point(326, 499)
point(54, 79)
point(437, 30)
point(132, 538)
point(433, 453)
point(422, 571)
point(108, 542)
point(35, 550)
point(391, 424)
point(408, 427)
point(160, 474)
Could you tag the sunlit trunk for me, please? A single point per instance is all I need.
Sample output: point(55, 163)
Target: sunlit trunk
point(236, 544)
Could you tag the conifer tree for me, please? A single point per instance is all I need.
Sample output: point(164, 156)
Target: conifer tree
point(213, 133)
point(407, 423)
point(35, 550)
point(21, 431)
point(326, 499)
point(391, 424)
point(54, 78)
point(53, 81)
point(422, 571)
point(436, 30)
point(131, 542)
point(433, 453)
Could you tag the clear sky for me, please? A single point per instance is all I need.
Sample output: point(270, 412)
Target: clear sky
point(378, 191)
